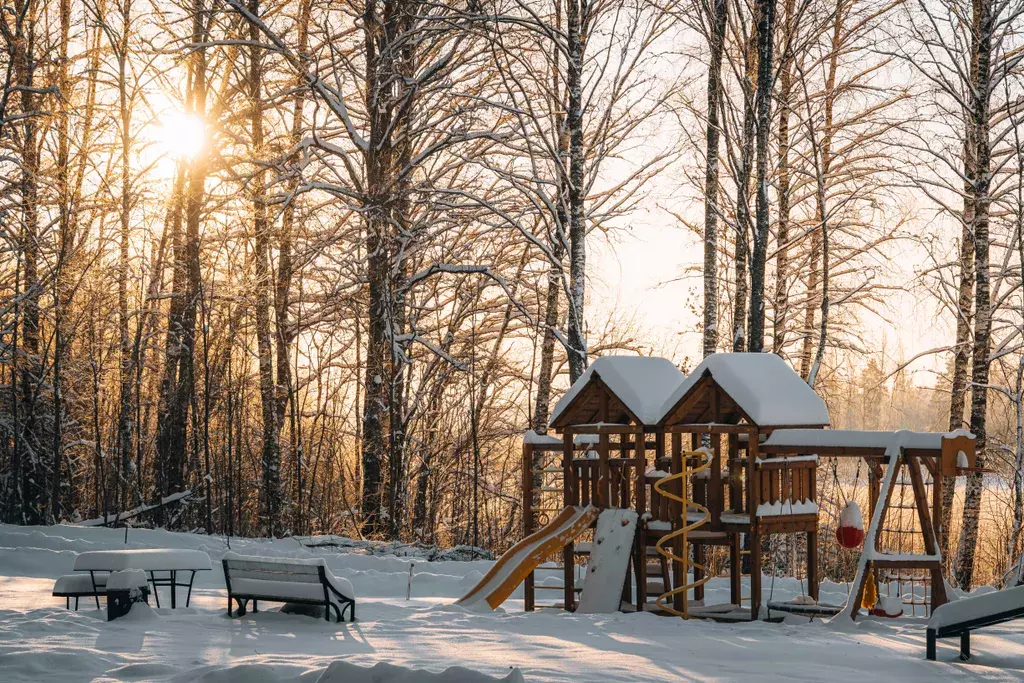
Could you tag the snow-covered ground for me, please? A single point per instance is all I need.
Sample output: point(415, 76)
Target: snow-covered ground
point(41, 641)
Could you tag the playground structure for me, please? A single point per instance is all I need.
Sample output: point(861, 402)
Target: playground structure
point(726, 456)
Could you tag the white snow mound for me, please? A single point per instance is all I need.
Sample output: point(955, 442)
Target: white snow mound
point(382, 672)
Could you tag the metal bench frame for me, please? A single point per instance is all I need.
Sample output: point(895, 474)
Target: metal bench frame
point(347, 604)
point(67, 595)
point(964, 628)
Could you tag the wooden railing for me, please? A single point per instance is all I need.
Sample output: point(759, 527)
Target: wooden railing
point(587, 488)
point(787, 479)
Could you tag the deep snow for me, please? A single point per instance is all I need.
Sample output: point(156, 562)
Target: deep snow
point(41, 641)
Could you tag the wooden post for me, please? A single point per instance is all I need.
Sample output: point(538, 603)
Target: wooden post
point(527, 483)
point(812, 564)
point(753, 500)
point(735, 571)
point(716, 493)
point(931, 541)
point(678, 576)
point(640, 465)
point(698, 574)
point(603, 475)
point(735, 490)
point(569, 498)
point(812, 542)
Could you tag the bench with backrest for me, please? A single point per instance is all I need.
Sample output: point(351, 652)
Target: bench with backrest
point(288, 580)
point(80, 586)
point(961, 617)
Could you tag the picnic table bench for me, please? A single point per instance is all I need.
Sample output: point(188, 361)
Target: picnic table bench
point(162, 565)
point(304, 581)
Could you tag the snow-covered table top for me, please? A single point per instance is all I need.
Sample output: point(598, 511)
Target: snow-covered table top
point(165, 559)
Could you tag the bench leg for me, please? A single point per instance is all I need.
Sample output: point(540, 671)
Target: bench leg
point(96, 593)
point(255, 607)
point(156, 593)
point(965, 646)
point(188, 598)
point(931, 645)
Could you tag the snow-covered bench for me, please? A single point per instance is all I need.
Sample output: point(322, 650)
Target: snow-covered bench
point(80, 586)
point(290, 580)
point(967, 614)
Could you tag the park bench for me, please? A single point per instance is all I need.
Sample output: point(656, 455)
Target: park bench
point(287, 580)
point(80, 586)
point(968, 614)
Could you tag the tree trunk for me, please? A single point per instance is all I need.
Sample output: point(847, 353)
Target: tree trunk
point(126, 398)
point(781, 304)
point(763, 101)
point(739, 310)
point(982, 311)
point(271, 495)
point(711, 181)
point(575, 14)
point(178, 381)
point(33, 470)
point(282, 294)
point(964, 313)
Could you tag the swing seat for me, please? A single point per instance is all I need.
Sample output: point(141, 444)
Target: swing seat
point(819, 610)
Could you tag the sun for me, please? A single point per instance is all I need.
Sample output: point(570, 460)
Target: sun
point(181, 135)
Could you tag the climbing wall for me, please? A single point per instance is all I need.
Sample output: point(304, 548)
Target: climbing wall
point(609, 560)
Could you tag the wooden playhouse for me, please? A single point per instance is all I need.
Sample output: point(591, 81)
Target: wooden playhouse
point(725, 456)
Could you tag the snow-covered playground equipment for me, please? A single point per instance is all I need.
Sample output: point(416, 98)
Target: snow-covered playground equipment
point(724, 456)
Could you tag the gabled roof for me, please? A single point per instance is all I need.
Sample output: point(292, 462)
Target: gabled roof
point(640, 383)
point(761, 385)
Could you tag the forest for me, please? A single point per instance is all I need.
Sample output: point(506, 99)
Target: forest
point(313, 267)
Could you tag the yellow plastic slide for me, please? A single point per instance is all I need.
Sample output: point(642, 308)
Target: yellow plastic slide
point(522, 558)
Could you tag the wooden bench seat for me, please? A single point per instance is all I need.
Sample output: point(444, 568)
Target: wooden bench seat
point(302, 581)
point(80, 586)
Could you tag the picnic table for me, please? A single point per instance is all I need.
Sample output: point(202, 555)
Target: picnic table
point(162, 566)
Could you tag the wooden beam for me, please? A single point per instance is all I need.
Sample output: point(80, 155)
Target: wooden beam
point(603, 476)
point(528, 498)
point(569, 498)
point(640, 553)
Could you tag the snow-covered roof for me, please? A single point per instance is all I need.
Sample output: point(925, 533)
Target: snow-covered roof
point(642, 383)
point(763, 385)
point(853, 438)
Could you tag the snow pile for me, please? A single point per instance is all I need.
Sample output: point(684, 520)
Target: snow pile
point(343, 672)
point(812, 439)
point(533, 438)
point(149, 559)
point(851, 516)
point(127, 579)
point(418, 551)
point(961, 460)
point(41, 641)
